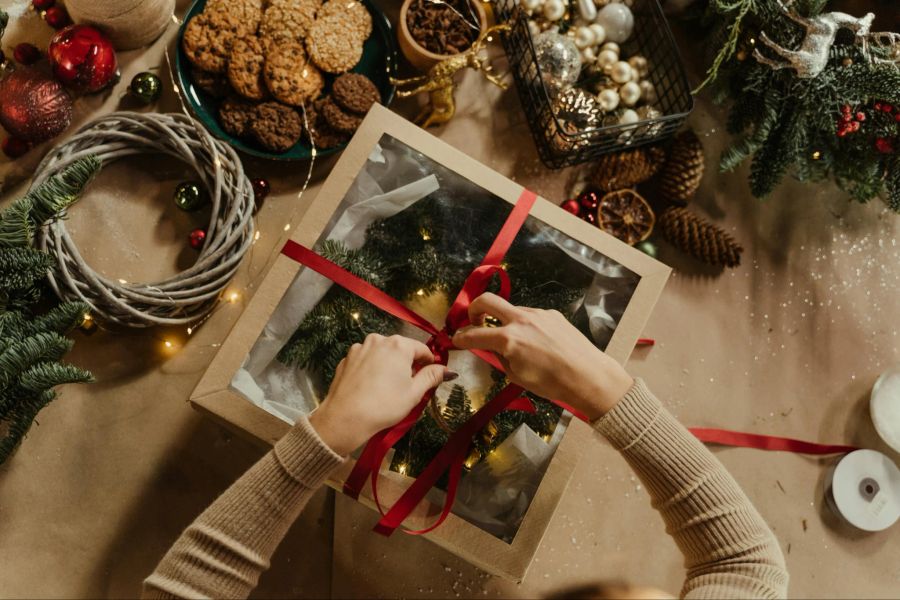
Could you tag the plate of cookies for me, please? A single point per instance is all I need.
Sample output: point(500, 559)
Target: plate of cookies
point(275, 78)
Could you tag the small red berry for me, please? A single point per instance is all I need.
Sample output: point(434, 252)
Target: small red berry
point(26, 54)
point(847, 118)
point(589, 200)
point(196, 238)
point(841, 132)
point(897, 117)
point(877, 106)
point(860, 116)
point(854, 126)
point(887, 107)
point(845, 109)
point(14, 147)
point(572, 206)
point(42, 4)
point(57, 17)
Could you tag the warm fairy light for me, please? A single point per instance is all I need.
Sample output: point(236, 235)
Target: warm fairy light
point(122, 281)
point(752, 41)
point(256, 236)
point(816, 155)
point(168, 344)
point(234, 297)
point(355, 316)
point(190, 330)
point(504, 265)
point(546, 437)
point(420, 292)
point(287, 227)
point(470, 462)
point(87, 319)
point(401, 468)
point(425, 235)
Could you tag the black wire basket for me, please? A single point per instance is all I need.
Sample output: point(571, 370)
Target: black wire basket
point(559, 147)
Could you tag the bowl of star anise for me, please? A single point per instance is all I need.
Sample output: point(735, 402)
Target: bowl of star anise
point(433, 30)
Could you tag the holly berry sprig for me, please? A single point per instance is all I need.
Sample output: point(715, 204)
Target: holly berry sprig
point(883, 124)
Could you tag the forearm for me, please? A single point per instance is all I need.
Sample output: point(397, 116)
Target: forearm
point(729, 550)
point(226, 549)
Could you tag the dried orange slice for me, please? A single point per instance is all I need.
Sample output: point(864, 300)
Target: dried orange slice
point(626, 215)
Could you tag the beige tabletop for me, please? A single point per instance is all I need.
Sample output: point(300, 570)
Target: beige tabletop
point(788, 344)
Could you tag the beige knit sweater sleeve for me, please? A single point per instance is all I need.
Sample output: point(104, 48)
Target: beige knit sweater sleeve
point(729, 551)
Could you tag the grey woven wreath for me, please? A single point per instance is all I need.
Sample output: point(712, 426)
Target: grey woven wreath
point(187, 296)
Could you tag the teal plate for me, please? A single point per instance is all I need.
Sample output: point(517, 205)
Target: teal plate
point(379, 60)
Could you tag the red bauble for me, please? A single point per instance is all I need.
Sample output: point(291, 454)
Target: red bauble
point(196, 238)
point(884, 145)
point(42, 4)
point(26, 54)
point(57, 17)
point(572, 206)
point(33, 107)
point(260, 190)
point(14, 147)
point(83, 58)
point(589, 200)
point(590, 217)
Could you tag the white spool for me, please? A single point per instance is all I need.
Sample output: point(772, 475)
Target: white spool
point(884, 406)
point(864, 490)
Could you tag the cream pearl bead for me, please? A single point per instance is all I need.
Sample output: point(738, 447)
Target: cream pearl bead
point(621, 72)
point(588, 56)
point(531, 5)
point(629, 117)
point(534, 29)
point(611, 46)
point(584, 37)
point(599, 32)
point(608, 99)
point(554, 10)
point(607, 58)
point(648, 92)
point(630, 93)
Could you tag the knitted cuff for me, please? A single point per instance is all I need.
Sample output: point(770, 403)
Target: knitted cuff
point(631, 417)
point(304, 456)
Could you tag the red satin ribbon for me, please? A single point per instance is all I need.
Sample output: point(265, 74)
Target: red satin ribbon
point(453, 454)
point(765, 442)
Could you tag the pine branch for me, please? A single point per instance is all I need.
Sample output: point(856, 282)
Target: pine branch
point(50, 199)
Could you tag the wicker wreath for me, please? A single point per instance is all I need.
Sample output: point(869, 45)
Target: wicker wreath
point(187, 296)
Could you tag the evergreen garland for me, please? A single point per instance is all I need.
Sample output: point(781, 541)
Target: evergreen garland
point(432, 247)
point(31, 345)
point(788, 125)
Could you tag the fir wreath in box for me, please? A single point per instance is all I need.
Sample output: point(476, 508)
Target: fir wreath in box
point(430, 248)
point(32, 344)
point(814, 94)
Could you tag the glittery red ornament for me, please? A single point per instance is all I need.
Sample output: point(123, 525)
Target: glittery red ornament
point(260, 190)
point(196, 238)
point(42, 4)
point(57, 17)
point(589, 200)
point(572, 206)
point(83, 58)
point(33, 106)
point(884, 145)
point(14, 147)
point(26, 54)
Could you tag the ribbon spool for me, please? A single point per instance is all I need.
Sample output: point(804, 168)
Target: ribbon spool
point(884, 406)
point(863, 489)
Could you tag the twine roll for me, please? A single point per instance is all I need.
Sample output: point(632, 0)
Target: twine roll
point(187, 296)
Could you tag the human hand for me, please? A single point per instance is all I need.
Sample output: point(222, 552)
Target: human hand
point(374, 387)
point(545, 354)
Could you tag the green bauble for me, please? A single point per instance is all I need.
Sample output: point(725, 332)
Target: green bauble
point(189, 196)
point(146, 87)
point(648, 248)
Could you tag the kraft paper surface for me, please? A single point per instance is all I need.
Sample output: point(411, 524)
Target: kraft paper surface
point(788, 344)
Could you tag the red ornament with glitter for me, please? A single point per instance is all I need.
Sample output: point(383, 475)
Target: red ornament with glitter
point(196, 238)
point(42, 4)
point(33, 106)
point(82, 58)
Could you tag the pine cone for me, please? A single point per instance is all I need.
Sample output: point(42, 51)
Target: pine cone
point(680, 176)
point(627, 169)
point(700, 238)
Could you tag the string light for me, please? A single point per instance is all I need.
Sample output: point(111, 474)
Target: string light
point(401, 468)
point(355, 316)
point(234, 297)
point(816, 155)
point(420, 292)
point(425, 235)
point(123, 282)
point(287, 227)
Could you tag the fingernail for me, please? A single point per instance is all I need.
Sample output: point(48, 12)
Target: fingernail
point(450, 375)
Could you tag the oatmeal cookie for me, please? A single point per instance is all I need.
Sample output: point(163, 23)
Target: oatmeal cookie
point(288, 20)
point(245, 68)
point(333, 44)
point(290, 76)
point(358, 14)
